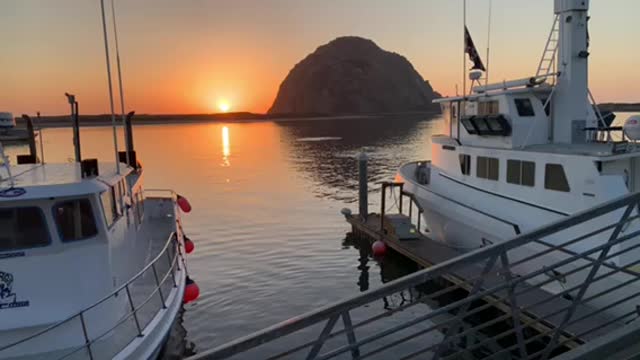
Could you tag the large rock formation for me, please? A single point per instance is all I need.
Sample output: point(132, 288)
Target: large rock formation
point(352, 75)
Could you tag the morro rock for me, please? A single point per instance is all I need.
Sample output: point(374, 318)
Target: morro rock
point(352, 75)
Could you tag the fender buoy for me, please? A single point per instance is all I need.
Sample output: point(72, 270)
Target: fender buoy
point(379, 248)
point(191, 291)
point(188, 245)
point(183, 203)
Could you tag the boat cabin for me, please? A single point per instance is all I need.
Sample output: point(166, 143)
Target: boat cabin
point(7, 121)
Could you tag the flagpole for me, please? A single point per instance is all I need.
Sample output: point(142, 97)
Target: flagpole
point(464, 54)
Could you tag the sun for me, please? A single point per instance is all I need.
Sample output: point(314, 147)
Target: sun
point(224, 106)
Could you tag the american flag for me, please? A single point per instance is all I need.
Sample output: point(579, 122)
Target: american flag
point(470, 49)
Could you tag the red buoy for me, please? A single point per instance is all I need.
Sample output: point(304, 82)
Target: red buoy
point(183, 203)
point(379, 248)
point(191, 291)
point(188, 245)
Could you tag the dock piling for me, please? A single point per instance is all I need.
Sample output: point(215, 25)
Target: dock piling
point(363, 177)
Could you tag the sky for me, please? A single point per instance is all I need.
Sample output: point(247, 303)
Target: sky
point(191, 56)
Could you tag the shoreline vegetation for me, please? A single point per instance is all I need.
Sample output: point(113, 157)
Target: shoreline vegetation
point(236, 117)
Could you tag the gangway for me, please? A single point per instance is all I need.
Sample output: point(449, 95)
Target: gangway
point(480, 305)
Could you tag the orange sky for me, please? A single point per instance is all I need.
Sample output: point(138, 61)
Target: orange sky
point(185, 56)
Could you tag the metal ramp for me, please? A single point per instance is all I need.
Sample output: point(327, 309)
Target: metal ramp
point(531, 297)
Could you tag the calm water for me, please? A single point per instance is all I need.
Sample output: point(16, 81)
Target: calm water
point(266, 203)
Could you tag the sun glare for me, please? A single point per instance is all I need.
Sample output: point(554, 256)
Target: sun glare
point(224, 106)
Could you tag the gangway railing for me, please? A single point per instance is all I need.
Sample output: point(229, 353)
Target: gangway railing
point(552, 291)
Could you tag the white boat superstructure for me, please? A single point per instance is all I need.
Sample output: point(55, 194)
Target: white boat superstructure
point(90, 266)
point(521, 154)
point(7, 121)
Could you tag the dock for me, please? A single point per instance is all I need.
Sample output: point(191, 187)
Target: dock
point(474, 304)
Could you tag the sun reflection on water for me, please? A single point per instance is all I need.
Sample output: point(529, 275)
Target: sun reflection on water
point(226, 148)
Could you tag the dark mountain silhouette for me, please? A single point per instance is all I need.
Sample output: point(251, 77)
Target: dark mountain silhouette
point(352, 75)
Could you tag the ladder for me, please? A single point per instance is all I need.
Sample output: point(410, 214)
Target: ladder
point(6, 165)
point(548, 64)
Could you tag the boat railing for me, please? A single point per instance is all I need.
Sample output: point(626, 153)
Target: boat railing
point(161, 271)
point(564, 288)
point(160, 193)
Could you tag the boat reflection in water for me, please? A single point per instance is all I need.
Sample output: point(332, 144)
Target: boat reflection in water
point(177, 346)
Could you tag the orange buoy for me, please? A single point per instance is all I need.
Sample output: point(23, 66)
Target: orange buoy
point(188, 245)
point(191, 291)
point(379, 248)
point(183, 203)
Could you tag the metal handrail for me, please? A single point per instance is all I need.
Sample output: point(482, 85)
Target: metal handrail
point(488, 255)
point(129, 315)
point(172, 239)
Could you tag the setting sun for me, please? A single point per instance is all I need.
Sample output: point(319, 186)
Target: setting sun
point(224, 106)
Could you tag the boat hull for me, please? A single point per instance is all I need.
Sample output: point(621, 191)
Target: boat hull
point(460, 222)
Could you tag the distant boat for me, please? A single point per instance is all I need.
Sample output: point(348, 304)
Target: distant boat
point(9, 134)
point(7, 121)
point(518, 155)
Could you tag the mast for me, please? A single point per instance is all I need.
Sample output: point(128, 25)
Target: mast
point(127, 134)
point(486, 76)
point(464, 55)
point(570, 103)
point(113, 114)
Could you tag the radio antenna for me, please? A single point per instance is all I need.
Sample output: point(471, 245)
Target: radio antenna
point(486, 78)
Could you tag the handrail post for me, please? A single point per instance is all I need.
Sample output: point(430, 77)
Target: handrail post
point(86, 335)
point(133, 310)
point(401, 198)
point(382, 205)
point(172, 269)
point(155, 275)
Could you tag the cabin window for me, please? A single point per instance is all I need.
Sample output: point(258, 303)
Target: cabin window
point(524, 107)
point(75, 220)
point(109, 207)
point(23, 228)
point(555, 178)
point(140, 206)
point(488, 108)
point(487, 168)
point(465, 164)
point(521, 172)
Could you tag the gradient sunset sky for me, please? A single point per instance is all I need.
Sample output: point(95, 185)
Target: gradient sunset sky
point(187, 56)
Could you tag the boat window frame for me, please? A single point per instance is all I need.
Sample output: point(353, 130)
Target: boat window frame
point(465, 164)
point(520, 167)
point(93, 216)
point(116, 215)
point(489, 107)
point(485, 171)
point(524, 107)
point(45, 223)
point(548, 183)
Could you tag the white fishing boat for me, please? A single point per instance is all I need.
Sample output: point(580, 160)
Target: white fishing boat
point(7, 121)
point(517, 155)
point(92, 264)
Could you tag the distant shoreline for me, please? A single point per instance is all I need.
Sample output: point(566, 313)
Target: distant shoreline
point(146, 119)
point(620, 107)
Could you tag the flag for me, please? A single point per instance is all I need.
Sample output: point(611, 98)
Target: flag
point(470, 49)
